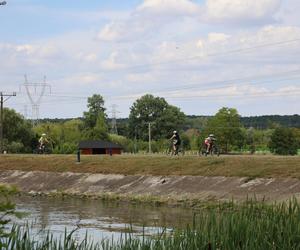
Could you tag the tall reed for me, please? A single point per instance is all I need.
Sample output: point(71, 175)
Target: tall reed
point(250, 225)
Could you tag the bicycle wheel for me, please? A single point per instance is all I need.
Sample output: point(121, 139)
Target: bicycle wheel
point(168, 150)
point(182, 152)
point(215, 151)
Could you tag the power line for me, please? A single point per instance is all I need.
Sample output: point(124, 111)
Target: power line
point(200, 85)
point(288, 93)
point(130, 68)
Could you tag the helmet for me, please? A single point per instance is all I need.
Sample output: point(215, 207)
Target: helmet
point(211, 135)
point(174, 132)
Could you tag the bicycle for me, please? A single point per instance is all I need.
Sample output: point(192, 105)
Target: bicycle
point(43, 149)
point(179, 150)
point(214, 150)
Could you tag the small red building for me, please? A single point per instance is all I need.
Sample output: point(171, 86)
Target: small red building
point(99, 147)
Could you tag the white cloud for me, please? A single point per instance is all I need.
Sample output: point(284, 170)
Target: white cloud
point(168, 7)
point(217, 37)
point(241, 10)
point(147, 19)
point(111, 63)
point(289, 13)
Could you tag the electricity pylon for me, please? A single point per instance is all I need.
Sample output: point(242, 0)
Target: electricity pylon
point(114, 128)
point(32, 90)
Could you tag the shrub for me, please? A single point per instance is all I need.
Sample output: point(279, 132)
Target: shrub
point(283, 142)
point(15, 147)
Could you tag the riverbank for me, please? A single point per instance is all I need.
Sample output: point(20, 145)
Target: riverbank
point(172, 190)
point(256, 166)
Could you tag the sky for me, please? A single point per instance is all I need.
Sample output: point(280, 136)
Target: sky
point(199, 55)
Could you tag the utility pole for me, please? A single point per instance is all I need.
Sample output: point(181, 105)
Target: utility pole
point(135, 139)
point(2, 95)
point(149, 128)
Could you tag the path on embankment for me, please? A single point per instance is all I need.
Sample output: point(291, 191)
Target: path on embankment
point(156, 177)
point(163, 188)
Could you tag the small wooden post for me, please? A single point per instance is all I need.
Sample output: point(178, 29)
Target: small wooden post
point(78, 155)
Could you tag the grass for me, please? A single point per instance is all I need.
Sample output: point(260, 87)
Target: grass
point(250, 225)
point(238, 166)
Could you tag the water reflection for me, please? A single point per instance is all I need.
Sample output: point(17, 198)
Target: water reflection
point(100, 219)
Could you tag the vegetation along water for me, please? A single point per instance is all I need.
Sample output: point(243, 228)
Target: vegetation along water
point(250, 225)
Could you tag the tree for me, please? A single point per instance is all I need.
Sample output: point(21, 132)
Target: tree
point(100, 131)
point(95, 126)
point(284, 142)
point(227, 127)
point(164, 118)
point(17, 132)
point(96, 107)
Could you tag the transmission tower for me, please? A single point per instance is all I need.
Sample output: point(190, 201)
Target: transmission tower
point(35, 93)
point(114, 128)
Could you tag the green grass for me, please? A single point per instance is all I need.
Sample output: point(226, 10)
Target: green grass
point(250, 225)
point(248, 166)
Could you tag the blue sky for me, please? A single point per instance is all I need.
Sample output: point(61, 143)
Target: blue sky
point(199, 55)
point(27, 20)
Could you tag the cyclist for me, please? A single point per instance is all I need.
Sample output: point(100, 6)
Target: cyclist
point(175, 141)
point(209, 142)
point(43, 141)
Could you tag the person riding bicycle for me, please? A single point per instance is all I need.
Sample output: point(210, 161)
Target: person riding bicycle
point(175, 141)
point(209, 142)
point(43, 141)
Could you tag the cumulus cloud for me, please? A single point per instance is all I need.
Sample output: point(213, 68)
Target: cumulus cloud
point(239, 11)
point(148, 19)
point(168, 7)
point(217, 37)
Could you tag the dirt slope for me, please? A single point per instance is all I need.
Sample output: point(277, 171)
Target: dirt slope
point(164, 188)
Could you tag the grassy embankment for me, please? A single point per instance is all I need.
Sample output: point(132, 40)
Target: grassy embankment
point(248, 166)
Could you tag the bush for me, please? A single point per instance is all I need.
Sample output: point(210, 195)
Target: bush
point(7, 212)
point(15, 147)
point(283, 142)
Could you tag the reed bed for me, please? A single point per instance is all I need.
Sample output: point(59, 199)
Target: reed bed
point(251, 225)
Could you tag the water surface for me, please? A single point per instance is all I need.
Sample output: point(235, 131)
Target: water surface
point(100, 219)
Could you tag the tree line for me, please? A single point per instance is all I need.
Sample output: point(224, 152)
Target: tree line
point(233, 133)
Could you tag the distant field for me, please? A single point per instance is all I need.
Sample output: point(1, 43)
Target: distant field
point(251, 166)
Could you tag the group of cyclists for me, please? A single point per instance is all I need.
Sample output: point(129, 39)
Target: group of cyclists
point(176, 142)
point(208, 143)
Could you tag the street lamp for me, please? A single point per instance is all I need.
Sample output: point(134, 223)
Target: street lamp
point(3, 3)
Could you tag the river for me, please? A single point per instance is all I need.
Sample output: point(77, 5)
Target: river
point(100, 219)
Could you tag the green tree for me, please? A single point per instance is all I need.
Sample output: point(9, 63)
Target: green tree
point(227, 127)
point(95, 126)
point(17, 132)
point(96, 107)
point(284, 142)
point(164, 118)
point(100, 131)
